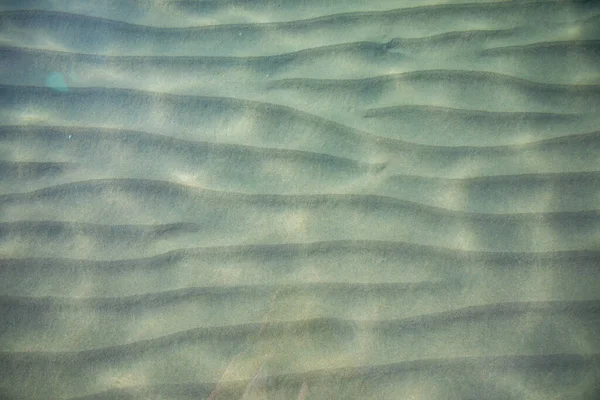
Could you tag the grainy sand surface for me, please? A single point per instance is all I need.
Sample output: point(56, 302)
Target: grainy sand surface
point(319, 199)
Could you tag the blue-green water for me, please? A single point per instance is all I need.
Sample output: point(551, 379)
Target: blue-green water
point(394, 199)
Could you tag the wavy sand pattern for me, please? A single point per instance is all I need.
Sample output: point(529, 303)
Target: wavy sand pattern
point(394, 199)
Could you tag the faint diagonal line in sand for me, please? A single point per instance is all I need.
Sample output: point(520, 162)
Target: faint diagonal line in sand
point(236, 364)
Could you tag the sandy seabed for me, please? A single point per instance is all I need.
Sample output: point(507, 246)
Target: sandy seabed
point(317, 199)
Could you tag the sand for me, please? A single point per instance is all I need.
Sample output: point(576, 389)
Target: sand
point(301, 200)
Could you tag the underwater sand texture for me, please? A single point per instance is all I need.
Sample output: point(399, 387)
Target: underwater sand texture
point(393, 199)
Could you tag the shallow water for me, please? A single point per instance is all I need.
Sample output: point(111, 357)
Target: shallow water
point(311, 200)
